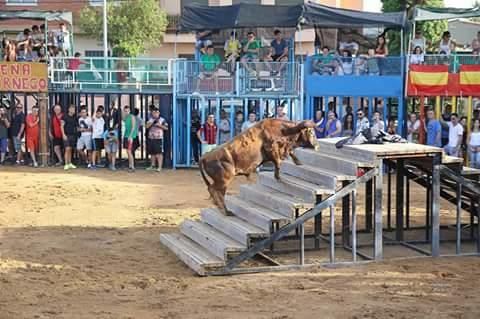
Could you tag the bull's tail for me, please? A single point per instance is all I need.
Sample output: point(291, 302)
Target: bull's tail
point(202, 171)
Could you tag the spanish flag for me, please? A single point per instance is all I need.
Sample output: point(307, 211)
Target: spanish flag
point(428, 80)
point(470, 79)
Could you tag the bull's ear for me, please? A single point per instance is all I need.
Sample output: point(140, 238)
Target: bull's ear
point(297, 128)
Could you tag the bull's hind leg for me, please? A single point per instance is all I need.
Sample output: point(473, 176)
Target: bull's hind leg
point(219, 187)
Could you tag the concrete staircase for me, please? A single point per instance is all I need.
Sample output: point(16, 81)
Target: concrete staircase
point(208, 244)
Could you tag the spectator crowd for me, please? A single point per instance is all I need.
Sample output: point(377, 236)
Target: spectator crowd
point(35, 44)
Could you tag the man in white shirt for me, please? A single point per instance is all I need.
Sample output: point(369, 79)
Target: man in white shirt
point(362, 122)
point(349, 45)
point(281, 113)
point(455, 134)
point(418, 41)
point(98, 126)
point(85, 140)
point(413, 126)
point(252, 120)
point(224, 128)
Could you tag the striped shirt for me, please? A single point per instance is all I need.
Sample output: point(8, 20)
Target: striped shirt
point(209, 132)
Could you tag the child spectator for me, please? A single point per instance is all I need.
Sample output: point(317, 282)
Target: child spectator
point(69, 132)
point(98, 128)
point(324, 63)
point(417, 57)
point(413, 126)
point(156, 126)
point(4, 125)
point(32, 131)
point(56, 134)
point(371, 63)
point(84, 142)
point(252, 120)
point(17, 127)
point(346, 64)
point(110, 138)
point(391, 128)
point(63, 39)
point(232, 49)
point(208, 134)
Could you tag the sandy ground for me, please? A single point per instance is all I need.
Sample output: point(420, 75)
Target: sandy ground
point(85, 245)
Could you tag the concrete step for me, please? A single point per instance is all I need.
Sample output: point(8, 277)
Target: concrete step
point(211, 239)
point(310, 174)
point(327, 162)
point(295, 187)
point(232, 226)
point(256, 215)
point(192, 254)
point(275, 201)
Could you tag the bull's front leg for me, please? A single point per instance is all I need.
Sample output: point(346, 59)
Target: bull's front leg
point(294, 158)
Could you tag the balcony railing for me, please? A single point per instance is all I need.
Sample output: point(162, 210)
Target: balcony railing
point(267, 78)
point(335, 65)
point(453, 60)
point(99, 72)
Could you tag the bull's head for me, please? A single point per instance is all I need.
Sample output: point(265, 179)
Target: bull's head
point(306, 134)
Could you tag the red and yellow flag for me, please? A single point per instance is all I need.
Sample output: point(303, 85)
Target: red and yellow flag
point(428, 80)
point(470, 79)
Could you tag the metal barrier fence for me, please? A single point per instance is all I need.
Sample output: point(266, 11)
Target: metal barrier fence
point(98, 72)
point(454, 61)
point(354, 66)
point(236, 79)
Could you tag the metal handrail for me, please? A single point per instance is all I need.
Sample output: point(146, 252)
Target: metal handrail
point(300, 221)
point(454, 60)
point(105, 71)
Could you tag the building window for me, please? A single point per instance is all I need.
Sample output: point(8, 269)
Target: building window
point(96, 3)
point(22, 2)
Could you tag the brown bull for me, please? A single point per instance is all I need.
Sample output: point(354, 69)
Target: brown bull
point(270, 140)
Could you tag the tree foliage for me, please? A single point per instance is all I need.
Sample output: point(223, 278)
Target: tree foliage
point(134, 26)
point(432, 30)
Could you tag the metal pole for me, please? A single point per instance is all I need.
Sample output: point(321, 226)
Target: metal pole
point(459, 220)
point(436, 205)
point(378, 246)
point(302, 244)
point(354, 225)
point(105, 30)
point(332, 234)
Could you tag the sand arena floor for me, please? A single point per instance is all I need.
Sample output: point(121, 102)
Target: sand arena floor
point(85, 245)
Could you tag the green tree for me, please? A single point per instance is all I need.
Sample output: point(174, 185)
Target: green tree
point(432, 30)
point(134, 26)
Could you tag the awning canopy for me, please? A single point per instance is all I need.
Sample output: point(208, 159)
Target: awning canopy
point(425, 14)
point(243, 15)
point(198, 17)
point(37, 15)
point(328, 17)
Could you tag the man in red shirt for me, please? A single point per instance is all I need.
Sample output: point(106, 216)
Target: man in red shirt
point(208, 134)
point(32, 130)
point(56, 134)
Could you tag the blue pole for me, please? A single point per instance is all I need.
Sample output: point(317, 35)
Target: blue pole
point(189, 121)
point(175, 119)
point(370, 108)
point(232, 119)
point(355, 107)
point(217, 117)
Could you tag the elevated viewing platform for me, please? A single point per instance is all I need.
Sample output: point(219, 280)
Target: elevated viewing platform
point(111, 74)
point(354, 76)
point(262, 79)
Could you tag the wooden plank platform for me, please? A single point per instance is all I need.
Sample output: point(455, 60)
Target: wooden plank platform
point(192, 254)
point(327, 162)
point(371, 152)
point(254, 214)
point(211, 239)
point(273, 200)
point(232, 226)
point(288, 186)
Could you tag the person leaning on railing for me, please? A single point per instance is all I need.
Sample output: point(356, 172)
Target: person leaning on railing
point(417, 57)
point(323, 63)
point(232, 49)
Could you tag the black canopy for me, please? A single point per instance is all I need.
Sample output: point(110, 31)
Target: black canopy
point(328, 17)
point(243, 15)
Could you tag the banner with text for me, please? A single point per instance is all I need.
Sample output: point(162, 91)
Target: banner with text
point(23, 77)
